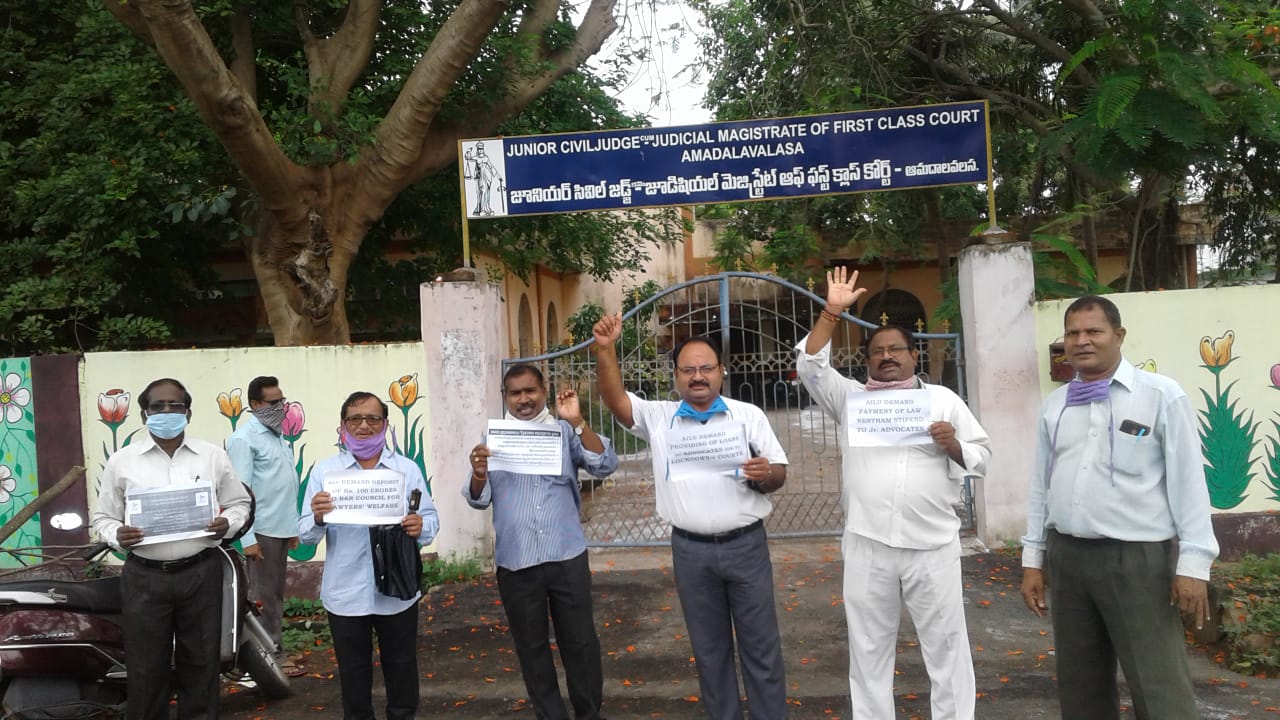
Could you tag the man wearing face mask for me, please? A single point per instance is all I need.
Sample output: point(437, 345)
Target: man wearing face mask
point(901, 541)
point(719, 548)
point(541, 550)
point(263, 461)
point(348, 589)
point(172, 590)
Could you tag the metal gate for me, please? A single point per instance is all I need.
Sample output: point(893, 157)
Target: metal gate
point(758, 320)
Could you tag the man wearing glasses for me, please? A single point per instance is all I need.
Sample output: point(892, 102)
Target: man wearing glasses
point(348, 590)
point(901, 541)
point(714, 498)
point(173, 588)
point(264, 461)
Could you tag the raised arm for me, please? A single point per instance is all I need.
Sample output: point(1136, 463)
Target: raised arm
point(608, 374)
point(842, 293)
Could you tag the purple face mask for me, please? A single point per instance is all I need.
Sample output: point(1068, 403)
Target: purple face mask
point(365, 448)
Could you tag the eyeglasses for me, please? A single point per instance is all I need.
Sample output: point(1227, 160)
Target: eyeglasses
point(888, 350)
point(162, 406)
point(354, 422)
point(691, 371)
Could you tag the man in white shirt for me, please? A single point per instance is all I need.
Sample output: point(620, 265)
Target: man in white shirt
point(172, 589)
point(1119, 514)
point(719, 549)
point(901, 541)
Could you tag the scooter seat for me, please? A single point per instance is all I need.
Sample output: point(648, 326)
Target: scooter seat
point(101, 595)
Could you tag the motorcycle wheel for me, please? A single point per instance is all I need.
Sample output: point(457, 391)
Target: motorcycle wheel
point(256, 658)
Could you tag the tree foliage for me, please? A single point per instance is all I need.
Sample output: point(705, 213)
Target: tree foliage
point(1115, 106)
point(316, 137)
point(95, 144)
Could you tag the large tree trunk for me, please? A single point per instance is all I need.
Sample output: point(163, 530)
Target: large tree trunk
point(311, 219)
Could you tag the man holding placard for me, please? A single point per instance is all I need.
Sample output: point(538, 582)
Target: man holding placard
point(167, 500)
point(906, 447)
point(366, 484)
point(528, 470)
point(714, 459)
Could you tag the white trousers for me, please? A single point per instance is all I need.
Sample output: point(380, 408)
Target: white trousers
point(877, 580)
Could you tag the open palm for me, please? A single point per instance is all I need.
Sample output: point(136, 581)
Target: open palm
point(842, 289)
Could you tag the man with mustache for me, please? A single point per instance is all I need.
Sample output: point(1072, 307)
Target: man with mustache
point(1119, 521)
point(719, 549)
point(348, 589)
point(541, 551)
point(901, 541)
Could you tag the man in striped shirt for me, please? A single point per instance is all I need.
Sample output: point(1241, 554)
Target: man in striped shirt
point(541, 550)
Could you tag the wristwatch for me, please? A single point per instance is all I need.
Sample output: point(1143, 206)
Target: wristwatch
point(577, 430)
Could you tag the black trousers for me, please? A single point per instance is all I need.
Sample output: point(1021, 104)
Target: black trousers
point(397, 651)
point(1110, 602)
point(173, 616)
point(563, 588)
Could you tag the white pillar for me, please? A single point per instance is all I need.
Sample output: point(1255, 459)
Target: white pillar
point(464, 338)
point(997, 286)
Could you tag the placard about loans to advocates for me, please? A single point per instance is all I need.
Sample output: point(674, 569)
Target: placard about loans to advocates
point(700, 451)
point(366, 497)
point(924, 146)
point(888, 417)
point(525, 447)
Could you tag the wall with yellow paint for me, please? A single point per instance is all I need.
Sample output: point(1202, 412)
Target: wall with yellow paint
point(1222, 347)
point(315, 380)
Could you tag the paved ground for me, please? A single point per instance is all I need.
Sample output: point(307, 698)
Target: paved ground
point(469, 671)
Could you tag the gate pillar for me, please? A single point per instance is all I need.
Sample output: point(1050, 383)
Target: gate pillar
point(464, 338)
point(997, 290)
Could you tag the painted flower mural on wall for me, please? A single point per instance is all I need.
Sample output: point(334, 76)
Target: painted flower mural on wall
point(113, 411)
point(404, 394)
point(7, 484)
point(1149, 365)
point(1227, 436)
point(1272, 467)
point(14, 398)
point(231, 406)
point(19, 482)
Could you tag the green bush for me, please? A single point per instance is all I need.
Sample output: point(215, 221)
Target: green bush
point(1249, 597)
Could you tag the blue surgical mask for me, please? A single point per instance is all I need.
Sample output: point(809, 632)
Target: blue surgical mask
point(166, 426)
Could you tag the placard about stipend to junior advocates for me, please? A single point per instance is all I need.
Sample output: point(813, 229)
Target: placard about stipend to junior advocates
point(701, 450)
point(366, 497)
point(525, 447)
point(885, 418)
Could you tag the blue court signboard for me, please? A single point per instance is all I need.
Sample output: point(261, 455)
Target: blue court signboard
point(864, 151)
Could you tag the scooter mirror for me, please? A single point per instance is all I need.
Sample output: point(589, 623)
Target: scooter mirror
point(66, 521)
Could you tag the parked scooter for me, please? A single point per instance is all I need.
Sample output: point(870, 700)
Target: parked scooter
point(62, 643)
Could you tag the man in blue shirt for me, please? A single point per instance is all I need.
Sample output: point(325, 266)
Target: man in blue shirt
point(542, 552)
point(348, 589)
point(263, 461)
point(1119, 519)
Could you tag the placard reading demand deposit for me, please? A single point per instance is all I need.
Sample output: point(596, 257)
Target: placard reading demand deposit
point(525, 447)
point(888, 417)
point(170, 512)
point(366, 497)
point(702, 450)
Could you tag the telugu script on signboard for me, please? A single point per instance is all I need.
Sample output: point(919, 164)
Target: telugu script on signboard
point(727, 162)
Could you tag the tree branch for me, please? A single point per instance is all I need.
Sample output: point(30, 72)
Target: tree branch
point(335, 63)
point(244, 62)
point(395, 159)
point(129, 16)
point(1045, 43)
point(223, 103)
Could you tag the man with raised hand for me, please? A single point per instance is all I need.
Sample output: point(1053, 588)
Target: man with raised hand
point(901, 540)
point(719, 548)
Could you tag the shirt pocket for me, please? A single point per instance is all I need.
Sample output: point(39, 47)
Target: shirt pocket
point(1134, 455)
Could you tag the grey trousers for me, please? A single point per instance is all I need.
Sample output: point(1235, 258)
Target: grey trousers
point(726, 590)
point(173, 615)
point(1110, 602)
point(266, 583)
